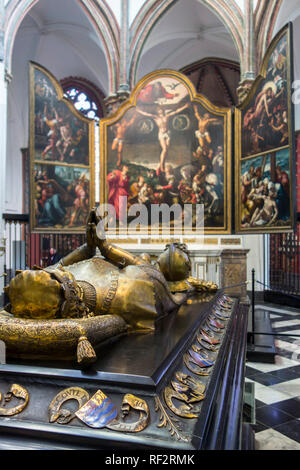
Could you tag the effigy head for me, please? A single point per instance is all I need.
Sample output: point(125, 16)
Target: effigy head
point(174, 262)
point(42, 294)
point(34, 294)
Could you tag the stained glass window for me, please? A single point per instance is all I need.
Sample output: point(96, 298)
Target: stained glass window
point(83, 102)
point(87, 98)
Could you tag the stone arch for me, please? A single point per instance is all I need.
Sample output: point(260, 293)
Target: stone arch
point(265, 18)
point(143, 24)
point(98, 12)
point(152, 11)
point(92, 92)
point(229, 13)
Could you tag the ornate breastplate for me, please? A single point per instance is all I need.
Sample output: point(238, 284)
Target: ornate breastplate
point(110, 294)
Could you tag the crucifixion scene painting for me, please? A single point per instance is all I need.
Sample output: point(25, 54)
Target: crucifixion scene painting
point(169, 147)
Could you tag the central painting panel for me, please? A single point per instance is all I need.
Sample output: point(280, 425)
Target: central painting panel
point(168, 146)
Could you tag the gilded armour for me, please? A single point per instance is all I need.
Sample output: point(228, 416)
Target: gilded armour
point(64, 308)
point(83, 284)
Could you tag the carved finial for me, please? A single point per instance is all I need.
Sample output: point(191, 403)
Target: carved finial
point(8, 76)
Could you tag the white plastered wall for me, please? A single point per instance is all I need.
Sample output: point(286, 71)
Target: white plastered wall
point(66, 47)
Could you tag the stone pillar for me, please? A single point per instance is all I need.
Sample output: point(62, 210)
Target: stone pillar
point(3, 131)
point(249, 69)
point(26, 180)
point(124, 47)
point(233, 272)
point(113, 102)
point(243, 89)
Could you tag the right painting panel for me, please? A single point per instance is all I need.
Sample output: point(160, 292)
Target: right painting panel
point(265, 173)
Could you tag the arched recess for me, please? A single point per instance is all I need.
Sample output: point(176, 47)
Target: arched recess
point(93, 94)
point(154, 10)
point(99, 14)
point(288, 10)
point(144, 22)
point(229, 13)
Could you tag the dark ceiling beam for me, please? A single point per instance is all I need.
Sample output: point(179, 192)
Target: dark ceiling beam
point(200, 79)
point(224, 85)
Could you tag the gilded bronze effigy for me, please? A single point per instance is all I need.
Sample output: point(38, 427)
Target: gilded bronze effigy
point(58, 338)
point(64, 311)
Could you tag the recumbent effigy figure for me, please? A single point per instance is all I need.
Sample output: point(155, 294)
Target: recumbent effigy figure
point(85, 298)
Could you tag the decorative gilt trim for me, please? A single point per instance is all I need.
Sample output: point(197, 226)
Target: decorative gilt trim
point(15, 391)
point(111, 292)
point(167, 422)
point(211, 241)
point(64, 416)
point(89, 294)
point(231, 241)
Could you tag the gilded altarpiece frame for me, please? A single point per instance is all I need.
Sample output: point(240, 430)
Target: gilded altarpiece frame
point(168, 145)
point(265, 146)
point(62, 149)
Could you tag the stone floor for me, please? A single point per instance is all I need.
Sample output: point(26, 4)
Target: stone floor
point(277, 386)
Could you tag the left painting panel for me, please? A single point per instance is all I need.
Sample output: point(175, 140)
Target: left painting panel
point(61, 158)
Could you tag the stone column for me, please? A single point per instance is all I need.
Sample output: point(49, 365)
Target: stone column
point(26, 180)
point(124, 47)
point(233, 272)
point(114, 101)
point(249, 69)
point(3, 131)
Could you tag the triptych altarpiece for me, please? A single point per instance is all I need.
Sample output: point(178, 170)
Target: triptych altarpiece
point(265, 145)
point(168, 145)
point(62, 146)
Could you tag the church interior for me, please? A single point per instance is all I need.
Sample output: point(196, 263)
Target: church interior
point(166, 103)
